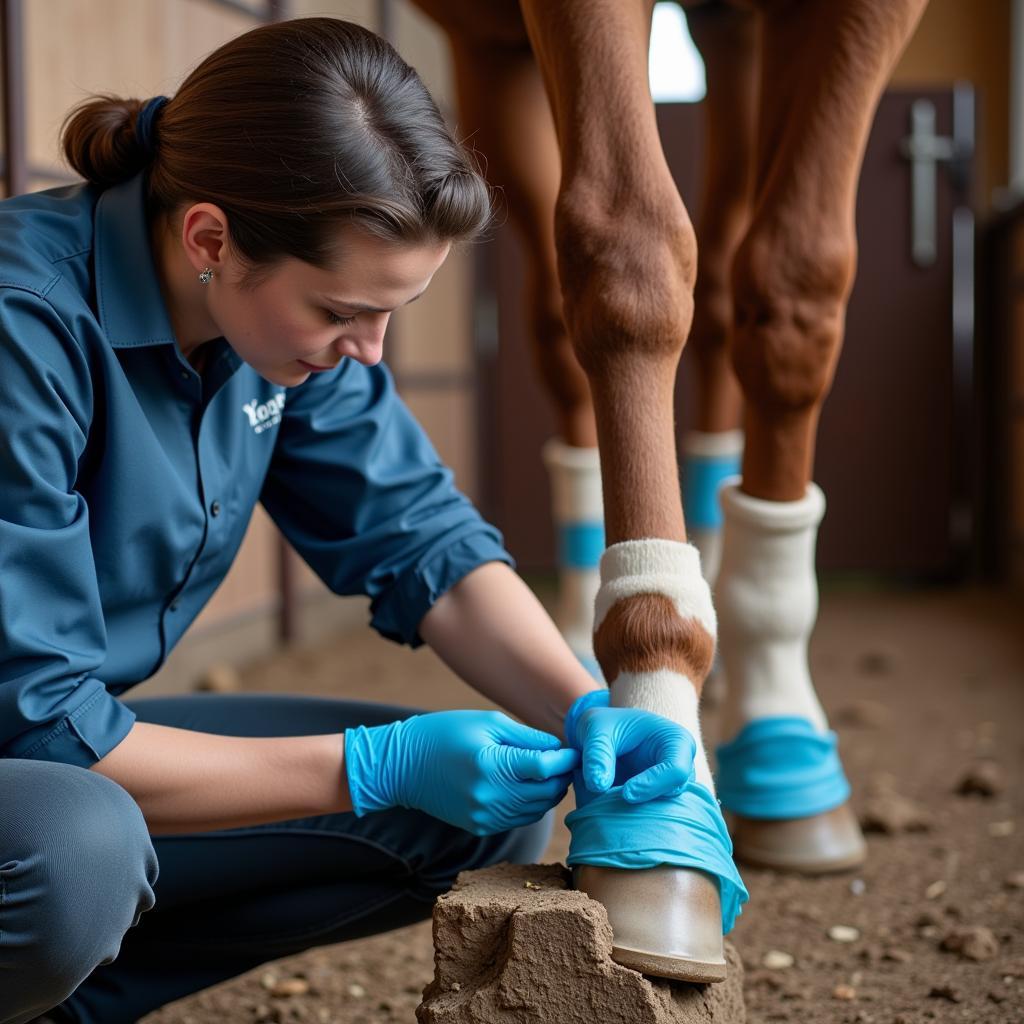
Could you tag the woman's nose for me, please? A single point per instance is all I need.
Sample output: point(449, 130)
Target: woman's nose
point(368, 347)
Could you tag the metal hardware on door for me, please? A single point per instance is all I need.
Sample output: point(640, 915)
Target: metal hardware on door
point(925, 150)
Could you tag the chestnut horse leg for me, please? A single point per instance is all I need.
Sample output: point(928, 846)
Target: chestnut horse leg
point(504, 111)
point(727, 39)
point(824, 67)
point(627, 264)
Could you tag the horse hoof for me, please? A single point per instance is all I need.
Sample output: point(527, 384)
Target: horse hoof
point(816, 845)
point(666, 921)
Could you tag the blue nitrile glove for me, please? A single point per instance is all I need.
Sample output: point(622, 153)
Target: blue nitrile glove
point(649, 755)
point(478, 770)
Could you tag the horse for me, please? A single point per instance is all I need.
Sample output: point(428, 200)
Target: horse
point(556, 97)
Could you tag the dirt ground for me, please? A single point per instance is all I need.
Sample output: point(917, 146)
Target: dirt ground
point(926, 690)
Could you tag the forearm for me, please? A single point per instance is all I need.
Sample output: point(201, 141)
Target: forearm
point(492, 631)
point(197, 782)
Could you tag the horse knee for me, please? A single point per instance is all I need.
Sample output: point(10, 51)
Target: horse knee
point(627, 275)
point(790, 303)
point(78, 869)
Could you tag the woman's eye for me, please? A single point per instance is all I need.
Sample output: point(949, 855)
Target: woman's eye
point(335, 319)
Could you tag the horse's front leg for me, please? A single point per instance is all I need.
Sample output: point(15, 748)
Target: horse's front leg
point(824, 69)
point(627, 261)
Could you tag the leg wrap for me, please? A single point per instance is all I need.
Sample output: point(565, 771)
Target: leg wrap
point(767, 598)
point(708, 461)
point(578, 511)
point(662, 580)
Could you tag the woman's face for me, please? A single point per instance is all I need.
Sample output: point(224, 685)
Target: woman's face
point(301, 320)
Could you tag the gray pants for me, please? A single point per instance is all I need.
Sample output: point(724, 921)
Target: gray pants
point(86, 923)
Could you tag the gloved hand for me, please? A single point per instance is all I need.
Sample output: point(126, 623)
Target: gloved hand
point(649, 755)
point(478, 770)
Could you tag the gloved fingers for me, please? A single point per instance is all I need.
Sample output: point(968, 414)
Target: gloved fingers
point(599, 754)
point(508, 730)
point(666, 779)
point(550, 790)
point(540, 764)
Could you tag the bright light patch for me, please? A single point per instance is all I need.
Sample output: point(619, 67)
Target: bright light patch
point(675, 67)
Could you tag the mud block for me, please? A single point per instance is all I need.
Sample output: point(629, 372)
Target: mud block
point(516, 944)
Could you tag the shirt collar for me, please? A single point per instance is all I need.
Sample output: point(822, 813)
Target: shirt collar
point(131, 306)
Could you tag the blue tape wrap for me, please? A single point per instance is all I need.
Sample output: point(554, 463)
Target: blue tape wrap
point(780, 768)
point(580, 545)
point(686, 831)
point(702, 476)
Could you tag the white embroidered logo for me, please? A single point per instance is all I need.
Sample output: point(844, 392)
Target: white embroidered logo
point(263, 416)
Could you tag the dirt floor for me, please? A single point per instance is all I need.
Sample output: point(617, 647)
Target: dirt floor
point(926, 689)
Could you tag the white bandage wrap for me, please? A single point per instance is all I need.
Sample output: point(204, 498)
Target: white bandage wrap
point(671, 695)
point(767, 599)
point(656, 566)
point(575, 476)
point(713, 446)
point(707, 539)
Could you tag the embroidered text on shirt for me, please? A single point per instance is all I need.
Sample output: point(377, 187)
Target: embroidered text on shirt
point(263, 416)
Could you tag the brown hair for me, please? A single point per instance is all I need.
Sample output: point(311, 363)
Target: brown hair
point(293, 129)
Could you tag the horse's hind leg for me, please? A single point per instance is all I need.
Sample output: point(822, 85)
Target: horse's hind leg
point(824, 67)
point(505, 111)
point(727, 40)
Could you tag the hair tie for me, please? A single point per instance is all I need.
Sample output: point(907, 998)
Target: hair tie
point(145, 123)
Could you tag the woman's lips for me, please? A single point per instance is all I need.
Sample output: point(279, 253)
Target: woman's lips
point(312, 367)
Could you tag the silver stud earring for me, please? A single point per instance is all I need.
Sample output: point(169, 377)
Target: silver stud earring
point(206, 276)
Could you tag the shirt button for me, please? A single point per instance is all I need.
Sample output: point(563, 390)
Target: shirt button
point(215, 508)
point(184, 374)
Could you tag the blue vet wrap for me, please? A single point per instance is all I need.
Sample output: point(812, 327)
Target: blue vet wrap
point(686, 831)
point(781, 768)
point(580, 545)
point(145, 123)
point(702, 476)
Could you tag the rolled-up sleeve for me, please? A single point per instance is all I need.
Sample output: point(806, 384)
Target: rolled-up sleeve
point(359, 490)
point(52, 633)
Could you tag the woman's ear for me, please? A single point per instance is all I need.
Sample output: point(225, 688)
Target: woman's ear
point(205, 237)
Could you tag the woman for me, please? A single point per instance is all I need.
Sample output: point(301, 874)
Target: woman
point(196, 328)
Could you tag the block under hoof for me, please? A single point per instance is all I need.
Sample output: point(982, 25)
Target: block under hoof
point(666, 921)
point(517, 944)
point(817, 845)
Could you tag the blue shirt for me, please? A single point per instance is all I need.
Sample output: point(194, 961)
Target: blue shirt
point(127, 480)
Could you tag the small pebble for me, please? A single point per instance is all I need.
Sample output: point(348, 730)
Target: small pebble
point(1000, 829)
point(843, 933)
point(1015, 880)
point(889, 813)
point(455, 986)
point(846, 992)
point(935, 890)
point(984, 778)
point(356, 991)
point(947, 992)
point(975, 943)
point(858, 887)
point(268, 980)
point(289, 987)
point(777, 960)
